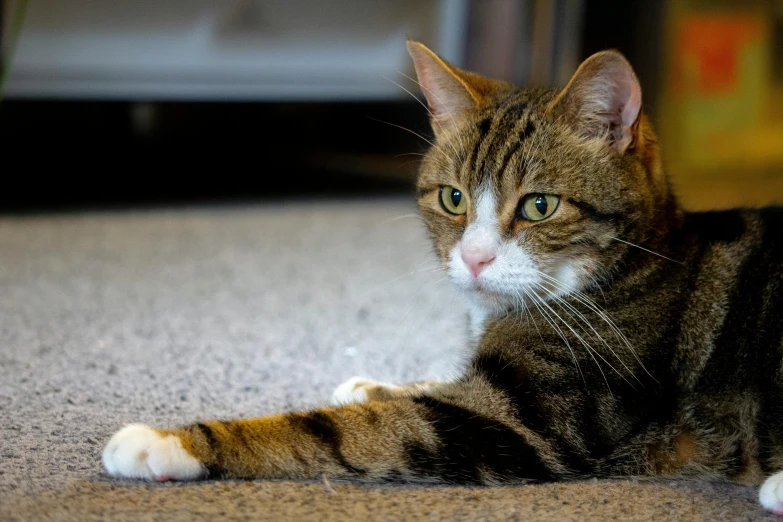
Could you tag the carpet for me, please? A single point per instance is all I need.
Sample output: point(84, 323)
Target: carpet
point(170, 316)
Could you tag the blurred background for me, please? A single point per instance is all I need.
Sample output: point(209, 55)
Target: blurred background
point(135, 102)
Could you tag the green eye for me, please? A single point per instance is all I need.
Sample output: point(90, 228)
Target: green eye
point(536, 207)
point(453, 201)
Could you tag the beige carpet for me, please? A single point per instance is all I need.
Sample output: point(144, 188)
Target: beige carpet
point(96, 499)
point(166, 317)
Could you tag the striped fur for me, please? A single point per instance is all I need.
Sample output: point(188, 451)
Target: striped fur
point(663, 360)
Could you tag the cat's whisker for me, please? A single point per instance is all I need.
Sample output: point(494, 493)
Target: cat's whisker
point(406, 129)
point(435, 96)
point(548, 318)
point(566, 306)
point(592, 305)
point(404, 216)
point(646, 250)
point(515, 308)
point(559, 332)
point(585, 300)
point(584, 343)
point(527, 315)
point(432, 116)
point(406, 164)
point(436, 159)
point(403, 276)
point(597, 286)
point(531, 318)
point(572, 308)
point(563, 303)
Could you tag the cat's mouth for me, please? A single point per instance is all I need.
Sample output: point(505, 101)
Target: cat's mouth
point(483, 287)
point(487, 290)
point(501, 300)
point(494, 300)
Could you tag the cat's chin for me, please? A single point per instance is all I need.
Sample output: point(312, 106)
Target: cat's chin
point(493, 303)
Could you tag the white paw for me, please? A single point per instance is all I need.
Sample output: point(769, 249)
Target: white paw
point(355, 390)
point(140, 452)
point(771, 494)
point(350, 391)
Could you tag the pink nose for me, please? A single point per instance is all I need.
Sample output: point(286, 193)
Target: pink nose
point(477, 258)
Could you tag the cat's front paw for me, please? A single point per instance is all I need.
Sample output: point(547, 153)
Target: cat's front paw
point(141, 452)
point(771, 494)
point(359, 389)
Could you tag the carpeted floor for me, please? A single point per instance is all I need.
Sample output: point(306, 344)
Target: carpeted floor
point(165, 317)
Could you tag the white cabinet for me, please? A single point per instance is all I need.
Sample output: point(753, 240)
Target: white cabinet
point(228, 49)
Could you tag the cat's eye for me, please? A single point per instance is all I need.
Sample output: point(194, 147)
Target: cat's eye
point(536, 207)
point(453, 200)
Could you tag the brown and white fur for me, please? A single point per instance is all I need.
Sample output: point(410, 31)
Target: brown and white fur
point(619, 335)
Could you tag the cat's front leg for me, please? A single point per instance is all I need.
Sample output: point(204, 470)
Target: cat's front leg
point(419, 438)
point(360, 389)
point(352, 440)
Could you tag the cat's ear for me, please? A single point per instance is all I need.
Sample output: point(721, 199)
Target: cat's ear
point(450, 91)
point(604, 100)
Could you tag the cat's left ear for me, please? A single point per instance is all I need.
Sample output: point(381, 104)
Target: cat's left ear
point(450, 92)
point(604, 100)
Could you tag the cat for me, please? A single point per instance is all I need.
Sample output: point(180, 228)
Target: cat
point(614, 333)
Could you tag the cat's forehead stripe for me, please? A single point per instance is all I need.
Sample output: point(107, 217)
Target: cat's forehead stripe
point(500, 152)
point(524, 134)
point(503, 121)
point(470, 163)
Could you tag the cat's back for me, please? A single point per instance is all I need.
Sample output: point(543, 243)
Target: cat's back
point(732, 314)
point(740, 247)
point(729, 353)
point(730, 226)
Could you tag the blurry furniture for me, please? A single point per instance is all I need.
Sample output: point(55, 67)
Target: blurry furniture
point(232, 49)
point(527, 42)
point(281, 50)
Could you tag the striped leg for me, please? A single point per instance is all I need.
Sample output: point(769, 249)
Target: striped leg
point(419, 438)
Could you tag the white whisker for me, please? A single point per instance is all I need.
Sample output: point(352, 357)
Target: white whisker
point(407, 274)
point(592, 305)
point(453, 121)
point(426, 109)
point(584, 343)
point(560, 332)
point(646, 250)
point(404, 216)
point(566, 306)
point(406, 129)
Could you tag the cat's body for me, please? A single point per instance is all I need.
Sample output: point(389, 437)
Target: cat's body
point(615, 334)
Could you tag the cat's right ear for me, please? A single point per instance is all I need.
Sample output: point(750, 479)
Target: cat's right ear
point(604, 100)
point(450, 91)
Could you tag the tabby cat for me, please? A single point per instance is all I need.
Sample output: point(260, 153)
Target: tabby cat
point(614, 333)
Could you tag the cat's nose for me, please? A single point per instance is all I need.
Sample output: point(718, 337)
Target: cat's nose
point(477, 258)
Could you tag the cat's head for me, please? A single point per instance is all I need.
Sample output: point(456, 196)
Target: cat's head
point(534, 192)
